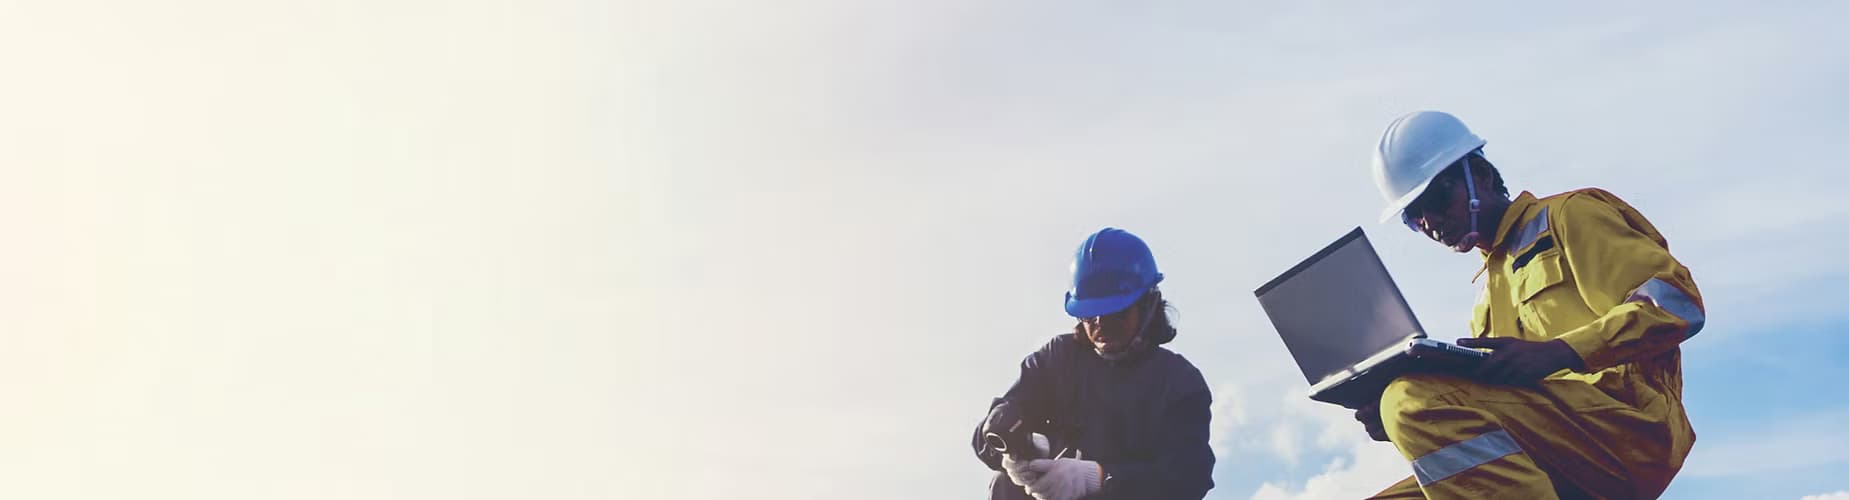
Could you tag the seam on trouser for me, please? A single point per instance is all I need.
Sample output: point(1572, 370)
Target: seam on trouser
point(1463, 456)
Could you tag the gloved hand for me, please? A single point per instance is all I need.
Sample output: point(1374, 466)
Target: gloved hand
point(1064, 479)
point(1017, 470)
point(1522, 362)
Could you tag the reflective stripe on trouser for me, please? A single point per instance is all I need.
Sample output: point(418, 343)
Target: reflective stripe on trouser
point(1463, 455)
point(1567, 428)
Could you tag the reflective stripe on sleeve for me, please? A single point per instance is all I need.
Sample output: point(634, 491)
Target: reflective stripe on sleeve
point(1463, 456)
point(1529, 232)
point(1672, 300)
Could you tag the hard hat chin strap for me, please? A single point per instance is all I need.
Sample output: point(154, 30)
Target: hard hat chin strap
point(1470, 184)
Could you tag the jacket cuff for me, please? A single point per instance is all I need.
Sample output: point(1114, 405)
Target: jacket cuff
point(1589, 343)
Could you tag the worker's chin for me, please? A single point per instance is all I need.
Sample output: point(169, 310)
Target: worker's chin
point(1116, 348)
point(1464, 244)
point(1112, 355)
point(1457, 243)
point(1111, 347)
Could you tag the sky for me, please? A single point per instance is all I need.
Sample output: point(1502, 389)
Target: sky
point(708, 250)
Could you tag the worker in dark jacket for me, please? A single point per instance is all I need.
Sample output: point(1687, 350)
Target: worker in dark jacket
point(1122, 417)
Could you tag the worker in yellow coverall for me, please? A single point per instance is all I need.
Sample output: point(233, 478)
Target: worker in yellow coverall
point(1582, 310)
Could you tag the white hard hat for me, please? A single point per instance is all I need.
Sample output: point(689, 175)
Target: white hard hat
point(1413, 150)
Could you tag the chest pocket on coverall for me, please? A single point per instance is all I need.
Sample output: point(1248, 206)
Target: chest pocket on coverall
point(1542, 296)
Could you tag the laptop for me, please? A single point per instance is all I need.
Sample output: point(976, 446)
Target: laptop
point(1349, 328)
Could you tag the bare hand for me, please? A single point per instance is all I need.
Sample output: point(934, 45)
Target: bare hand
point(1369, 417)
point(1521, 362)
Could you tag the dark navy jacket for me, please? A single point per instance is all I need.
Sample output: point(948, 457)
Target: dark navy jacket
point(1143, 418)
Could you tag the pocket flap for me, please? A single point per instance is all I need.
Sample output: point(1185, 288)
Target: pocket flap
point(1543, 272)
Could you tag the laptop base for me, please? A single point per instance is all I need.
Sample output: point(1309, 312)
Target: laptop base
point(1365, 385)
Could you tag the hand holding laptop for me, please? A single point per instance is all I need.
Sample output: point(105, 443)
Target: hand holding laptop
point(1511, 362)
point(1521, 362)
point(1349, 329)
point(1369, 416)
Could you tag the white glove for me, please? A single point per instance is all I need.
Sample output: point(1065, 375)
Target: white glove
point(1064, 479)
point(1017, 471)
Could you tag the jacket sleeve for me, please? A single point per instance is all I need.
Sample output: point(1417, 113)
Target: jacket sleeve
point(1029, 391)
point(1183, 467)
point(1646, 301)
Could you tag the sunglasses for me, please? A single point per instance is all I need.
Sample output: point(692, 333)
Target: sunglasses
point(1116, 317)
point(1436, 198)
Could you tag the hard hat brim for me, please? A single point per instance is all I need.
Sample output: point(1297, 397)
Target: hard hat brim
point(1099, 306)
point(1448, 158)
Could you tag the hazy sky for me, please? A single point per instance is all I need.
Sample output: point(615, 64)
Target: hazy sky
point(708, 250)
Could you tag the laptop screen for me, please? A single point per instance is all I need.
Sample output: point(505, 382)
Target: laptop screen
point(1337, 308)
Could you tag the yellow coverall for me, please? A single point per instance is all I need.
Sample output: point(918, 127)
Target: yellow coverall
point(1586, 268)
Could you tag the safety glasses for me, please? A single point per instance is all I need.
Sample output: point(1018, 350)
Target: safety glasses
point(1118, 318)
point(1436, 197)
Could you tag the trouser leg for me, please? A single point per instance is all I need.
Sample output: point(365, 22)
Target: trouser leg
point(1406, 489)
point(1462, 436)
point(1458, 449)
point(1588, 443)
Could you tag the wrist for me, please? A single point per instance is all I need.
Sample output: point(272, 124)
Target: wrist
point(1566, 357)
point(1100, 478)
point(1586, 344)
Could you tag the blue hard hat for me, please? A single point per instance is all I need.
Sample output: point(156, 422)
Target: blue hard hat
point(1112, 269)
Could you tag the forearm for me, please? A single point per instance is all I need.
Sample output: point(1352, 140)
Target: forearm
point(1654, 318)
point(1028, 399)
point(1646, 300)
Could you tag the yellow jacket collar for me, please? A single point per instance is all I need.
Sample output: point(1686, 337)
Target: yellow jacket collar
point(1518, 209)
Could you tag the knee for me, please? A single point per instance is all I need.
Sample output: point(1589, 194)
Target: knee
point(1413, 387)
point(1411, 397)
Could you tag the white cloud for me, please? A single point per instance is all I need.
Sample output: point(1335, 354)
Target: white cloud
point(1283, 441)
point(1279, 437)
point(1300, 426)
point(1840, 495)
point(1784, 444)
point(1229, 416)
point(1286, 430)
point(1330, 426)
point(1367, 468)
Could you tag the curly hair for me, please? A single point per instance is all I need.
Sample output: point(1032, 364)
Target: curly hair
point(1482, 166)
